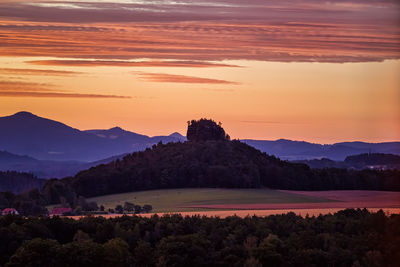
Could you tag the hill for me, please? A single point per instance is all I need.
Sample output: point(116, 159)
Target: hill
point(374, 160)
point(296, 150)
point(19, 182)
point(27, 134)
point(226, 164)
point(210, 159)
point(47, 168)
point(379, 161)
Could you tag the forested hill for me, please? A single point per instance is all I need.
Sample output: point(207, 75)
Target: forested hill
point(374, 159)
point(192, 164)
point(210, 159)
point(379, 161)
point(226, 164)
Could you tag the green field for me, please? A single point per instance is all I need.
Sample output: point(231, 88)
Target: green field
point(169, 200)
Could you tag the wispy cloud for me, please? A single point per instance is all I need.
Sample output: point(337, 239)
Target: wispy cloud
point(263, 122)
point(286, 31)
point(29, 89)
point(219, 90)
point(172, 78)
point(56, 95)
point(272, 122)
point(120, 63)
point(7, 85)
point(38, 72)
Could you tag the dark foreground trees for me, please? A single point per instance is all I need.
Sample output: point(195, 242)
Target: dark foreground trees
point(348, 238)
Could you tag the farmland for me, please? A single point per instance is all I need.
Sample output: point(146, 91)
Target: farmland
point(174, 200)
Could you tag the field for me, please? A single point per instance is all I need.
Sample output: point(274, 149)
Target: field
point(260, 202)
point(174, 200)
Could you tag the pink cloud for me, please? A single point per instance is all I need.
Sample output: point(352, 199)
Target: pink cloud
point(293, 30)
point(38, 72)
point(29, 89)
point(119, 63)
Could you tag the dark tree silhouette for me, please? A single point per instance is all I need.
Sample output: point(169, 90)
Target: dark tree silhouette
point(347, 238)
point(204, 130)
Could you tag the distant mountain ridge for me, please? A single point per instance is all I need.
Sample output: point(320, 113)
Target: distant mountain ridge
point(378, 161)
point(300, 150)
point(47, 168)
point(27, 134)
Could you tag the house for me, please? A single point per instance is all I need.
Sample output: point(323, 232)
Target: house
point(60, 211)
point(9, 211)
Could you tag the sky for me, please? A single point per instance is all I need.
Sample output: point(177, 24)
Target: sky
point(319, 71)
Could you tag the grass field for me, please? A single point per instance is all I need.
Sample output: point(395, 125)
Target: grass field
point(173, 200)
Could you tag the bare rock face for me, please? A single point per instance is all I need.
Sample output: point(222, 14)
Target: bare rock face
point(205, 130)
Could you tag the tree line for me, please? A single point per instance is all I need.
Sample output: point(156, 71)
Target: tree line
point(347, 238)
point(18, 182)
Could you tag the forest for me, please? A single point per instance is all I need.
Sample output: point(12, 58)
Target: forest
point(348, 238)
point(18, 182)
point(212, 163)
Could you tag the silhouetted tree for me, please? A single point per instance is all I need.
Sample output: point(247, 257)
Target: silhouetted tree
point(147, 208)
point(129, 207)
point(119, 209)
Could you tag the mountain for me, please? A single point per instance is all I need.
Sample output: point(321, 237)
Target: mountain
point(47, 168)
point(42, 138)
point(178, 136)
point(27, 134)
point(377, 161)
point(7, 158)
point(300, 150)
point(136, 141)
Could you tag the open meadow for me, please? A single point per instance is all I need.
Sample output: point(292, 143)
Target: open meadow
point(249, 202)
point(175, 200)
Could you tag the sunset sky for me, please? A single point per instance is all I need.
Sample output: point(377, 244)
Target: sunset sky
point(319, 71)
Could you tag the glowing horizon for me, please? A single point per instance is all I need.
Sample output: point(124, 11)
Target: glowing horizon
point(304, 70)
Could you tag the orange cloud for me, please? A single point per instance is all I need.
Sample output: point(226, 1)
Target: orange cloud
point(119, 63)
point(172, 78)
point(285, 31)
point(23, 86)
point(56, 95)
point(38, 72)
point(206, 42)
point(28, 89)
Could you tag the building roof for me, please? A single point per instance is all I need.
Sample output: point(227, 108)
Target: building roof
point(60, 211)
point(9, 211)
